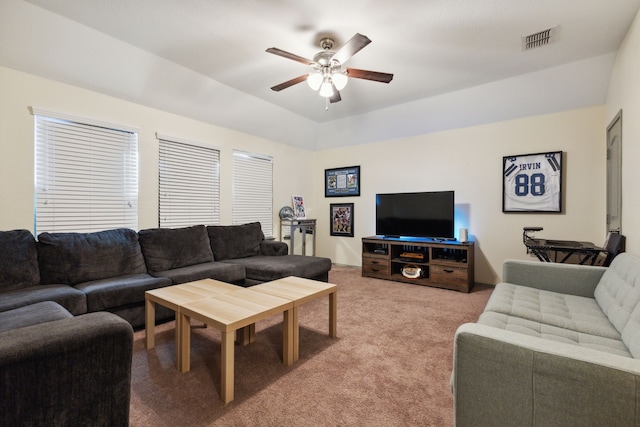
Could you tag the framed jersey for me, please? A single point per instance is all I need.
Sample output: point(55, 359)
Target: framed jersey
point(532, 182)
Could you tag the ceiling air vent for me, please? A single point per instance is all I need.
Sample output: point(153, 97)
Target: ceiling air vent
point(538, 39)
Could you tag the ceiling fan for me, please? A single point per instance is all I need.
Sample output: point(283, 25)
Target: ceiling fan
point(328, 77)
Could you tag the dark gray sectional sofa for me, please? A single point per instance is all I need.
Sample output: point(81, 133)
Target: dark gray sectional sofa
point(183, 255)
point(111, 270)
point(57, 369)
point(20, 282)
point(107, 267)
point(262, 260)
point(69, 303)
point(236, 254)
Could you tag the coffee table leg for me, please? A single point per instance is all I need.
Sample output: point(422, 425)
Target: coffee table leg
point(226, 367)
point(246, 335)
point(333, 314)
point(149, 323)
point(183, 354)
point(178, 334)
point(252, 332)
point(288, 344)
point(295, 333)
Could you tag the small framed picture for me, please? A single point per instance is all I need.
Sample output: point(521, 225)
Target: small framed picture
point(298, 207)
point(342, 182)
point(341, 215)
point(532, 182)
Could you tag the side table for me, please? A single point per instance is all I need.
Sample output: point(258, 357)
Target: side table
point(306, 226)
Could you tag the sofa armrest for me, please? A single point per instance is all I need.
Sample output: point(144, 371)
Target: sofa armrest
point(506, 378)
point(74, 371)
point(570, 279)
point(273, 248)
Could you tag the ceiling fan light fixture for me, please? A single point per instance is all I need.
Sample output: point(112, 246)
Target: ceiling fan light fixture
point(327, 77)
point(339, 80)
point(326, 89)
point(314, 80)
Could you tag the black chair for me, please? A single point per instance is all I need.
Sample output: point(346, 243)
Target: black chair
point(614, 244)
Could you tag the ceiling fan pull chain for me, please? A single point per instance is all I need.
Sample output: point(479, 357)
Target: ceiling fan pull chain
point(326, 104)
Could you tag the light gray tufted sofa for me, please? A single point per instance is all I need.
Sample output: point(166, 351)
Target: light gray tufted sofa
point(557, 345)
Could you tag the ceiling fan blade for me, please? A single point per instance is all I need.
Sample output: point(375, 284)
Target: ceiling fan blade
point(336, 95)
point(288, 55)
point(369, 75)
point(289, 83)
point(350, 48)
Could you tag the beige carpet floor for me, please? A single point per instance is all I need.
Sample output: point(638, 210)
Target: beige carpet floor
point(389, 366)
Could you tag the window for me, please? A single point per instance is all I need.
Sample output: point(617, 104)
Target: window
point(86, 174)
point(189, 184)
point(253, 190)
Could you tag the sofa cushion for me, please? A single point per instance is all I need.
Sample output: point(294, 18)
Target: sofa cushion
point(19, 260)
point(618, 295)
point(74, 258)
point(273, 248)
point(168, 248)
point(67, 296)
point(235, 241)
point(33, 314)
point(553, 333)
point(265, 268)
point(117, 291)
point(577, 313)
point(229, 273)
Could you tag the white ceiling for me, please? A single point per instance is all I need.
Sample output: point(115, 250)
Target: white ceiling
point(206, 59)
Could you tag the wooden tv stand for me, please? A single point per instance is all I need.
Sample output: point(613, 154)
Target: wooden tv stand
point(444, 264)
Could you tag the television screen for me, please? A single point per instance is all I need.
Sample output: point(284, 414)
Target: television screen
point(425, 214)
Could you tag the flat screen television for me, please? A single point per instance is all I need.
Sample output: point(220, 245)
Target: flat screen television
point(424, 214)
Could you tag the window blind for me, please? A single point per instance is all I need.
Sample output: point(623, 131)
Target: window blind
point(253, 190)
point(189, 187)
point(86, 176)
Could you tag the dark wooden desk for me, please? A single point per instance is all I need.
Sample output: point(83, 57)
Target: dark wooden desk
point(550, 250)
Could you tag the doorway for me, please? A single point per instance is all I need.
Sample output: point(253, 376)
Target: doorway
point(614, 174)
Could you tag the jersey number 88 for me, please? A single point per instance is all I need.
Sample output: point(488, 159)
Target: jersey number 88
point(533, 184)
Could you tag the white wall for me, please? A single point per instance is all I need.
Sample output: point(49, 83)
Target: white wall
point(469, 161)
point(624, 94)
point(546, 91)
point(466, 160)
point(21, 91)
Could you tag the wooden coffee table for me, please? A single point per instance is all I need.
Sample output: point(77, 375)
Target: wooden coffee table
point(234, 310)
point(174, 297)
point(230, 312)
point(299, 291)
